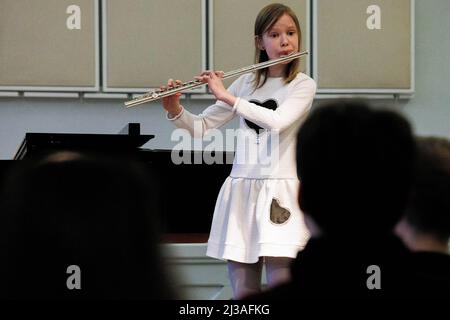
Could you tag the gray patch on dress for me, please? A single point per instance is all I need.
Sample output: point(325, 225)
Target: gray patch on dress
point(278, 214)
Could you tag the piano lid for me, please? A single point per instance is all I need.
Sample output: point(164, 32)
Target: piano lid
point(43, 142)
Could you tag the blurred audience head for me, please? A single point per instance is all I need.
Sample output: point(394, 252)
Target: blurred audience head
point(355, 166)
point(426, 224)
point(70, 219)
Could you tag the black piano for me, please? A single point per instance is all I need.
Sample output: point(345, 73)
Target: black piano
point(189, 217)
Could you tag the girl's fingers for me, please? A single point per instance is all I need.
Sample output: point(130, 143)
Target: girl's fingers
point(173, 83)
point(201, 78)
point(210, 73)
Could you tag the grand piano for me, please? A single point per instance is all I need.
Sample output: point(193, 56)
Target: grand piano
point(187, 219)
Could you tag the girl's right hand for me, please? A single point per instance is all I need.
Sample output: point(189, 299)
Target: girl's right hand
point(172, 103)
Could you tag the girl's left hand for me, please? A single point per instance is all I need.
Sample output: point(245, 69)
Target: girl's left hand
point(215, 84)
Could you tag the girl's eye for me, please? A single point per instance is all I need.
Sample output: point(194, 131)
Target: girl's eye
point(291, 33)
point(273, 35)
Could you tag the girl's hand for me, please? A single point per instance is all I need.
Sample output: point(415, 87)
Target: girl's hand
point(215, 84)
point(172, 103)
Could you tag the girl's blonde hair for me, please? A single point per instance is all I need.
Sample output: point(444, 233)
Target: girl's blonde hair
point(265, 20)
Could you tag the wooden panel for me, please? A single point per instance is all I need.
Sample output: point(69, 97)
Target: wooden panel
point(49, 45)
point(364, 45)
point(147, 42)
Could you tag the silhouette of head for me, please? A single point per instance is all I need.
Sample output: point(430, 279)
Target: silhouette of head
point(429, 207)
point(93, 212)
point(355, 167)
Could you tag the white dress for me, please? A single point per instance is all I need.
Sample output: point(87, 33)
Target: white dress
point(256, 212)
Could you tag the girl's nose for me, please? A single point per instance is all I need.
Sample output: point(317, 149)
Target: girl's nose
point(284, 40)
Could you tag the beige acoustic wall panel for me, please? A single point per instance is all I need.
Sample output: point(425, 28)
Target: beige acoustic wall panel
point(364, 46)
point(146, 42)
point(49, 45)
point(231, 32)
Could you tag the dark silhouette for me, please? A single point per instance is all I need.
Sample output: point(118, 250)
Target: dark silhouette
point(425, 228)
point(93, 212)
point(355, 166)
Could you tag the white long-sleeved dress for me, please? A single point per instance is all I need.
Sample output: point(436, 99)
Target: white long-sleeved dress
point(257, 212)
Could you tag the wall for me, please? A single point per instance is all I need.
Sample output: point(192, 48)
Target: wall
point(429, 109)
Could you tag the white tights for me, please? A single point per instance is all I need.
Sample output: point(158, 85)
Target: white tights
point(245, 278)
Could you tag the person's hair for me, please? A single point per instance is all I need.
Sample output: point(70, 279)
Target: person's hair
point(355, 167)
point(265, 20)
point(429, 207)
point(95, 212)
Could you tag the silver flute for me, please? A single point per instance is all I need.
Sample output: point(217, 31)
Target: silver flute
point(158, 94)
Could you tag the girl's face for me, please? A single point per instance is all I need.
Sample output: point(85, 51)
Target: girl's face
point(278, 41)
